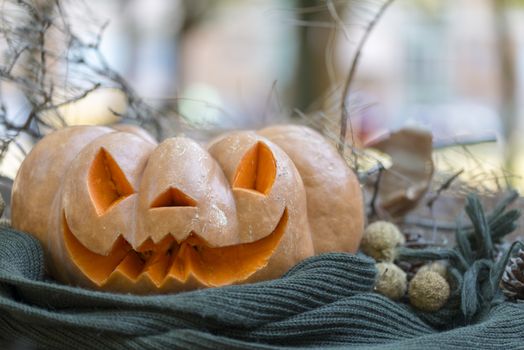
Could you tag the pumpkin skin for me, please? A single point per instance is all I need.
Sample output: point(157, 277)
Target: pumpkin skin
point(40, 176)
point(115, 211)
point(334, 197)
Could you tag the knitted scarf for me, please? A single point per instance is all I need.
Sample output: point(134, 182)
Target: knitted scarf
point(326, 301)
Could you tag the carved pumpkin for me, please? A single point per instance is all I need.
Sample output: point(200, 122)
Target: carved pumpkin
point(334, 197)
point(115, 211)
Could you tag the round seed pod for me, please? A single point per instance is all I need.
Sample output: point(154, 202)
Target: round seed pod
point(380, 240)
point(391, 281)
point(437, 267)
point(428, 291)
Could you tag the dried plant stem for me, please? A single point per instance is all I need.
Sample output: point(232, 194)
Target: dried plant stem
point(40, 42)
point(444, 187)
point(376, 186)
point(344, 111)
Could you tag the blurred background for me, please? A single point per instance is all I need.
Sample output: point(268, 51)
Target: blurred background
point(455, 67)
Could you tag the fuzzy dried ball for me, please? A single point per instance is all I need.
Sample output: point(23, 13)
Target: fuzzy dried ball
point(428, 291)
point(380, 240)
point(391, 281)
point(437, 267)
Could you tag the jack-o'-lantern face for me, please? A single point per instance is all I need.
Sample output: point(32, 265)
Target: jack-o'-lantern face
point(140, 217)
point(116, 211)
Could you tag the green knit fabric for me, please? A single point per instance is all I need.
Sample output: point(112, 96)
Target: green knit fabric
point(326, 301)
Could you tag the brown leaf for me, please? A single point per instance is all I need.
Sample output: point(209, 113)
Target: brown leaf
point(407, 180)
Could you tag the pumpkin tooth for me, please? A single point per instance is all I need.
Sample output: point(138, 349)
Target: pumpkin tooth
point(169, 258)
point(157, 270)
point(194, 257)
point(131, 266)
point(97, 267)
point(149, 262)
point(157, 265)
point(178, 269)
point(224, 265)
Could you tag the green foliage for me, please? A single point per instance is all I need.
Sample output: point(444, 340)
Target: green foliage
point(474, 269)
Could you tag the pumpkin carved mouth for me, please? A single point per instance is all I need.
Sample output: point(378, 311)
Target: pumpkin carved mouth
point(169, 259)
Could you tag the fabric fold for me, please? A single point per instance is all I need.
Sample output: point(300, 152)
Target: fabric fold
point(325, 301)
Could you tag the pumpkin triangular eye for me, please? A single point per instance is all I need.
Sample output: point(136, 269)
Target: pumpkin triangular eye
point(107, 183)
point(173, 197)
point(257, 169)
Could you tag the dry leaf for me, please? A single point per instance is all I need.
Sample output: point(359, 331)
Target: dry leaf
point(407, 180)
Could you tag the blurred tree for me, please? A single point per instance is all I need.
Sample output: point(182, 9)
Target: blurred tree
point(506, 51)
point(317, 31)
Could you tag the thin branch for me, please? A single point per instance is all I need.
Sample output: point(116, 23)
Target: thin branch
point(376, 186)
point(79, 62)
point(74, 98)
point(344, 113)
point(444, 187)
point(272, 92)
point(334, 14)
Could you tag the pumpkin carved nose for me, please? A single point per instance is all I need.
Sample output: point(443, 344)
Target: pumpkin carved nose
point(173, 197)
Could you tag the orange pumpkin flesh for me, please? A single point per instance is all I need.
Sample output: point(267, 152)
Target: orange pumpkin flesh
point(95, 266)
point(173, 197)
point(257, 170)
point(107, 183)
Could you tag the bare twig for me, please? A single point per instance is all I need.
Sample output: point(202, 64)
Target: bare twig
point(376, 186)
point(32, 66)
point(272, 93)
point(344, 112)
point(334, 14)
point(443, 187)
point(74, 98)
